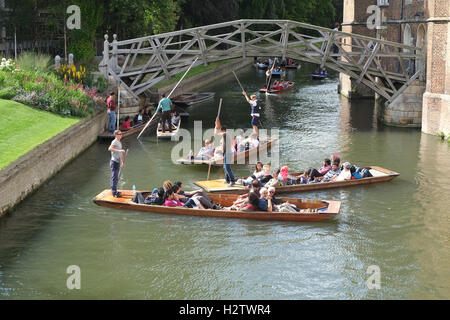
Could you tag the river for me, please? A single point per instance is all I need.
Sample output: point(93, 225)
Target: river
point(401, 226)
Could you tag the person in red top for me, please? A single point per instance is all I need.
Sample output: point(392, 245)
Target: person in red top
point(126, 124)
point(252, 204)
point(111, 105)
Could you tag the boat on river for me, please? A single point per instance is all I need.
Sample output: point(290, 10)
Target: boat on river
point(310, 210)
point(167, 134)
point(278, 89)
point(379, 174)
point(189, 99)
point(239, 158)
point(319, 75)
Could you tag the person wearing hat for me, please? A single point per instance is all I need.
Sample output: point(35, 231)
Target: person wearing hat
point(345, 174)
point(255, 111)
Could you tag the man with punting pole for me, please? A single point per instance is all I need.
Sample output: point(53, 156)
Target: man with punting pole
point(117, 161)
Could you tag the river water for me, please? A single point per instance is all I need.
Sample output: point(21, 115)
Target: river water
point(401, 226)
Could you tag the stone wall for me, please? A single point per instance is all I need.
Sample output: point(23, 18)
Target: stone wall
point(27, 173)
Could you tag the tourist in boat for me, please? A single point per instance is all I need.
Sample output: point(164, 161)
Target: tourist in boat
point(175, 118)
point(171, 200)
point(255, 110)
point(250, 143)
point(156, 198)
point(165, 105)
point(139, 118)
point(345, 174)
point(305, 177)
point(266, 176)
point(116, 162)
point(205, 153)
point(167, 185)
point(276, 180)
point(265, 200)
point(258, 173)
point(252, 202)
point(197, 195)
point(333, 172)
point(275, 201)
point(227, 149)
point(126, 125)
point(147, 114)
point(237, 141)
point(322, 171)
point(111, 105)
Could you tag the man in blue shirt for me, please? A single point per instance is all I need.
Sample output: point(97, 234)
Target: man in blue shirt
point(166, 106)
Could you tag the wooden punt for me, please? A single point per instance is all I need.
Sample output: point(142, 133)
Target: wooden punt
point(379, 175)
point(167, 134)
point(290, 85)
point(310, 210)
point(188, 99)
point(239, 158)
point(292, 66)
point(319, 76)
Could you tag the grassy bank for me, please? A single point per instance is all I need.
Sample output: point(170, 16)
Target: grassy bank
point(22, 128)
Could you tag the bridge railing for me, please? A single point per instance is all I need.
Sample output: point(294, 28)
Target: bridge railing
point(143, 62)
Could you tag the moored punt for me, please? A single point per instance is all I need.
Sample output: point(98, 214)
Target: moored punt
point(167, 134)
point(188, 99)
point(239, 158)
point(310, 210)
point(260, 65)
point(292, 66)
point(279, 89)
point(379, 175)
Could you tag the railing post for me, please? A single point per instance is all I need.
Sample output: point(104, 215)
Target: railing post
point(103, 66)
point(114, 62)
point(244, 54)
point(57, 62)
point(70, 59)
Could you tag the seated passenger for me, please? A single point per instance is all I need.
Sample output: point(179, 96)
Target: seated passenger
point(335, 171)
point(156, 198)
point(252, 204)
point(345, 174)
point(196, 195)
point(322, 171)
point(276, 181)
point(139, 118)
point(265, 201)
point(147, 114)
point(238, 141)
point(175, 118)
point(171, 200)
point(250, 143)
point(266, 175)
point(275, 201)
point(126, 125)
point(205, 153)
point(305, 177)
point(258, 173)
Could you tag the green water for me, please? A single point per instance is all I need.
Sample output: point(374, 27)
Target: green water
point(401, 226)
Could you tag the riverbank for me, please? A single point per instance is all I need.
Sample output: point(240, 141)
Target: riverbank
point(24, 175)
point(22, 128)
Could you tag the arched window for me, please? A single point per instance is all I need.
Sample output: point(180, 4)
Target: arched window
point(409, 41)
point(421, 42)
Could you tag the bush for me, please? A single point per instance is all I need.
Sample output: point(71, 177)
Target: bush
point(7, 93)
point(7, 65)
point(31, 61)
point(83, 50)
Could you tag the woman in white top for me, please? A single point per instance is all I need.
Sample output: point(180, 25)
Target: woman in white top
point(345, 174)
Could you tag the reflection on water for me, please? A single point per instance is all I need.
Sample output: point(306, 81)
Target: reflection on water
point(402, 226)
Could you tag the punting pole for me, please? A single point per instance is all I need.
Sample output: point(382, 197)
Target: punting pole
point(210, 160)
point(168, 96)
point(244, 90)
point(118, 105)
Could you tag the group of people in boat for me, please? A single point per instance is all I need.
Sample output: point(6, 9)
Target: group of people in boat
point(320, 72)
point(173, 195)
point(331, 171)
point(240, 143)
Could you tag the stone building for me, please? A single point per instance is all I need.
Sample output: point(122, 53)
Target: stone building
point(421, 23)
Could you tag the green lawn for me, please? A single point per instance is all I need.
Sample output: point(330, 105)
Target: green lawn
point(22, 128)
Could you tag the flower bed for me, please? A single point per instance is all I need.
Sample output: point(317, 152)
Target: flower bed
point(45, 90)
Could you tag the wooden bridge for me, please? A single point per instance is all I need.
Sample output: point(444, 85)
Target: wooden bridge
point(143, 62)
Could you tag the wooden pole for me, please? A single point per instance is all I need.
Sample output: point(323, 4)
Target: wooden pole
point(168, 96)
point(210, 161)
point(118, 105)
